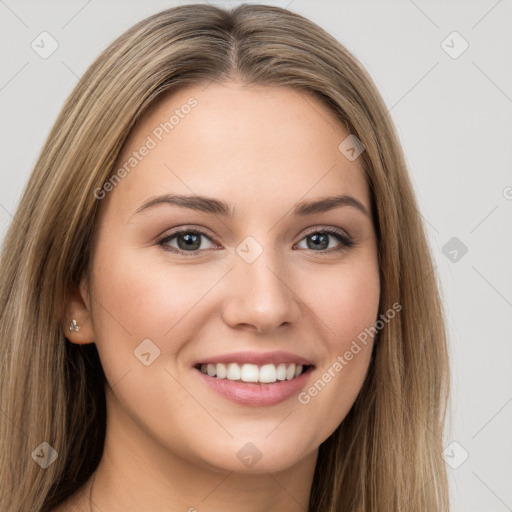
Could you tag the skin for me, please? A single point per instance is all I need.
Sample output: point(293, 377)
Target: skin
point(171, 442)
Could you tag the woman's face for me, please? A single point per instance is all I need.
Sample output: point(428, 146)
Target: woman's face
point(209, 249)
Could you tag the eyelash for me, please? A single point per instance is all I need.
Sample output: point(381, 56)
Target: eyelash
point(341, 236)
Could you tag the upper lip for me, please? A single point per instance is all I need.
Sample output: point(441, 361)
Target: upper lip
point(258, 358)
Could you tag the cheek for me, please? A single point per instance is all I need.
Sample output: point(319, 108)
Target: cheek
point(142, 297)
point(145, 298)
point(347, 309)
point(346, 300)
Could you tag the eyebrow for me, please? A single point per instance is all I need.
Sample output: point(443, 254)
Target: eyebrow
point(219, 207)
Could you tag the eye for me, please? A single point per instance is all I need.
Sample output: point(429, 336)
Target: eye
point(318, 240)
point(188, 241)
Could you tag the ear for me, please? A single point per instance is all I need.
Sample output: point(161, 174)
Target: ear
point(77, 307)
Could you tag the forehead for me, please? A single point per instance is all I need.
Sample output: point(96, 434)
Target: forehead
point(248, 145)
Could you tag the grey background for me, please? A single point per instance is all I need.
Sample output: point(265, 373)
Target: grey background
point(454, 119)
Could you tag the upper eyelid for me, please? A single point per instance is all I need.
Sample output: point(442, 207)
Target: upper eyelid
point(331, 229)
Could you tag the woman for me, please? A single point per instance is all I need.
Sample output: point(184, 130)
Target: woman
point(217, 292)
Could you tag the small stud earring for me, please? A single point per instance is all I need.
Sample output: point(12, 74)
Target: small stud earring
point(74, 326)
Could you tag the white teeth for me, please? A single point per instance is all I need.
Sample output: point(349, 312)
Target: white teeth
point(249, 373)
point(233, 372)
point(222, 371)
point(281, 372)
point(252, 373)
point(268, 373)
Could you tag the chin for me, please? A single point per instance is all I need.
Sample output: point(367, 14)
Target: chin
point(253, 457)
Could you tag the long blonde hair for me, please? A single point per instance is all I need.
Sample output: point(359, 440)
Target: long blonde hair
point(386, 455)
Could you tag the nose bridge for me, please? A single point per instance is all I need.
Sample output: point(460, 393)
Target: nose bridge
point(260, 292)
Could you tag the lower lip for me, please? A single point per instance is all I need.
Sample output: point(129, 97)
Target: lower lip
point(253, 393)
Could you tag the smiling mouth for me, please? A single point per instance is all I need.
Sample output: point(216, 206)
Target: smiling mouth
point(252, 373)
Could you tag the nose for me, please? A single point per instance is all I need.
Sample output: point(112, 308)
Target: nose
point(260, 295)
